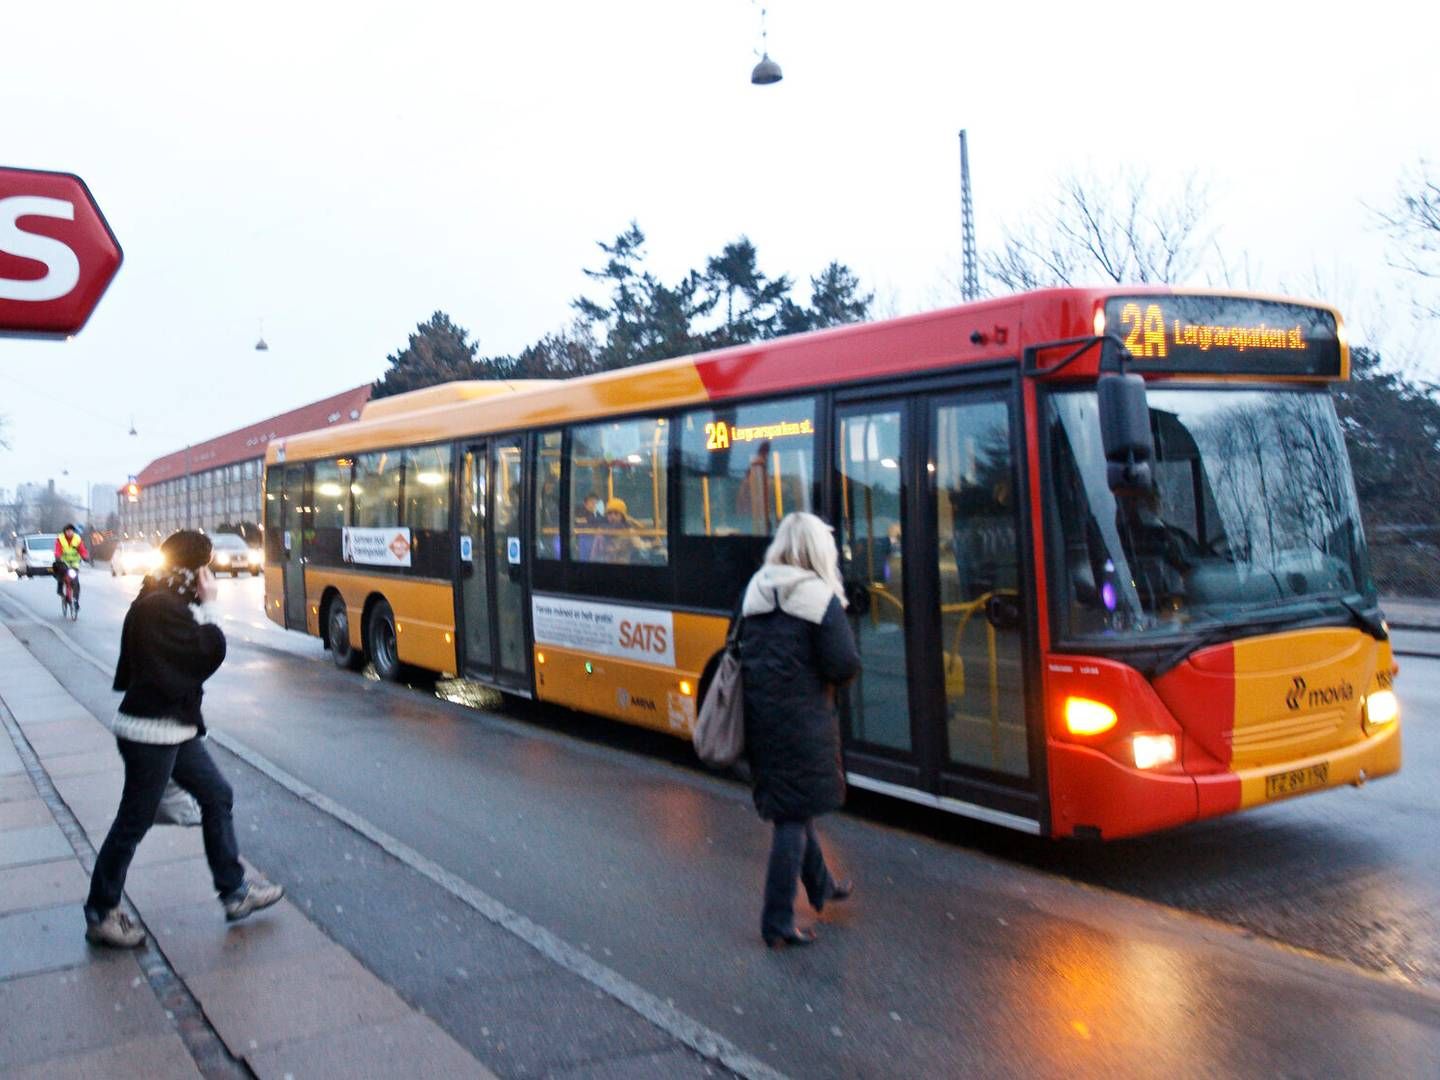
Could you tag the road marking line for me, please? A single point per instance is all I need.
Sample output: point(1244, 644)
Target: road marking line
point(672, 1021)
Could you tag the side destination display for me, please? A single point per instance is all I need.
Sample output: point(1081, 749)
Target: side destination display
point(1227, 336)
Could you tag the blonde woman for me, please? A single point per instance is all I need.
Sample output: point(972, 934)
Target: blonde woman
point(795, 649)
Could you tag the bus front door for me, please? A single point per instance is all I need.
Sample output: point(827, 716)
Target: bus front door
point(494, 589)
point(928, 529)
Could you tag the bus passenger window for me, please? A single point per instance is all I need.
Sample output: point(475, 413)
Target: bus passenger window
point(547, 497)
point(618, 488)
point(376, 490)
point(427, 489)
point(744, 468)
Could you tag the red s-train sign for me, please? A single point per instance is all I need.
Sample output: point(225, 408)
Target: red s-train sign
point(57, 253)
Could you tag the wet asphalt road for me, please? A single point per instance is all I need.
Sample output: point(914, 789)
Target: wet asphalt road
point(945, 957)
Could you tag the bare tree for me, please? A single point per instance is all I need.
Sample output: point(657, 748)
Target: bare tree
point(1413, 224)
point(1114, 230)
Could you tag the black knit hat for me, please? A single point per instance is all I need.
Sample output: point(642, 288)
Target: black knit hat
point(186, 549)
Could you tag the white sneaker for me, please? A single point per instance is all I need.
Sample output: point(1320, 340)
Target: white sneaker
point(253, 896)
point(115, 930)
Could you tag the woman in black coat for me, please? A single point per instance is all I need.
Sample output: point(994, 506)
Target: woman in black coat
point(169, 646)
point(795, 649)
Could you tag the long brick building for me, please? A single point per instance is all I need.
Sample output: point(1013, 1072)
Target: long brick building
point(216, 485)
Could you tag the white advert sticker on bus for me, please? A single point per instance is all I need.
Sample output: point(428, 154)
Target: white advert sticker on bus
point(643, 634)
point(375, 547)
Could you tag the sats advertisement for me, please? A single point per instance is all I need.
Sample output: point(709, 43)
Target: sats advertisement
point(646, 635)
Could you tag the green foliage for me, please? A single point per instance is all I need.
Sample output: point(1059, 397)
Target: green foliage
point(1392, 430)
point(438, 352)
point(732, 302)
point(642, 318)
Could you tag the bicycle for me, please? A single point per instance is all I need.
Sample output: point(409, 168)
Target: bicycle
point(70, 594)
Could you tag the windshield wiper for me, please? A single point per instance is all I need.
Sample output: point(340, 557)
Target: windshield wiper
point(1370, 621)
point(1222, 632)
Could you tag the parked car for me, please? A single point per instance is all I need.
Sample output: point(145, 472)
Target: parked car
point(231, 555)
point(135, 557)
point(34, 555)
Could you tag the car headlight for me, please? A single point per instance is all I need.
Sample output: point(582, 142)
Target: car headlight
point(222, 559)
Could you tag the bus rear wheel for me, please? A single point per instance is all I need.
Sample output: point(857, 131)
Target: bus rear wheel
point(382, 643)
point(337, 636)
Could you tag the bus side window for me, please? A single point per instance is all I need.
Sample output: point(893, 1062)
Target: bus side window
point(744, 468)
point(623, 465)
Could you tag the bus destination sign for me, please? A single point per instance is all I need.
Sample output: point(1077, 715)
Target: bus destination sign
point(1226, 335)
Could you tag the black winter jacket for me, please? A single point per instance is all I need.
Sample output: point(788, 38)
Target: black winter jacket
point(795, 649)
point(165, 658)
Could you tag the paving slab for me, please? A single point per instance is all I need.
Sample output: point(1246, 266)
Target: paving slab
point(69, 737)
point(254, 1008)
point(47, 939)
point(94, 761)
point(105, 787)
point(104, 1003)
point(16, 786)
point(163, 843)
point(36, 843)
point(196, 939)
point(163, 1057)
point(24, 814)
point(42, 885)
point(183, 883)
point(412, 1046)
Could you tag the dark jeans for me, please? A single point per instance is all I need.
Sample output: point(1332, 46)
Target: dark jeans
point(147, 770)
point(794, 853)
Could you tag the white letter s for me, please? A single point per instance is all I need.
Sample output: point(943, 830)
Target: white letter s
point(61, 265)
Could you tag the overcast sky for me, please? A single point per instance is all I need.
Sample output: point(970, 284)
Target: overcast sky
point(342, 171)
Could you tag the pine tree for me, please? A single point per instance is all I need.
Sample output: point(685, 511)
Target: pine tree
point(438, 352)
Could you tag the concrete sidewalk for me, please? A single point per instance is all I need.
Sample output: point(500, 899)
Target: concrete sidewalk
point(272, 994)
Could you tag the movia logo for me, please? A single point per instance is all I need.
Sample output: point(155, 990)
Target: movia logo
point(1301, 695)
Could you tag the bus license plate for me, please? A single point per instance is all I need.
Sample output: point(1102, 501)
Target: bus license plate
point(1288, 783)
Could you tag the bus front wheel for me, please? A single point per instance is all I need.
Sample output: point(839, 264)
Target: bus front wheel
point(382, 642)
point(337, 636)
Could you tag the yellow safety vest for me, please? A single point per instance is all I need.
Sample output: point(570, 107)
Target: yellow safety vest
point(70, 553)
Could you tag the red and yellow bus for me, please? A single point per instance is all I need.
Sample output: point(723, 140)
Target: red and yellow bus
point(1102, 548)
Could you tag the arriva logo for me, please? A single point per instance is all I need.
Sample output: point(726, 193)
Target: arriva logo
point(1301, 695)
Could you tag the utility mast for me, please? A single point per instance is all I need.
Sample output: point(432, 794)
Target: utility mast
point(970, 283)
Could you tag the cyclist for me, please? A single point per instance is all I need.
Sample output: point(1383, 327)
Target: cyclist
point(69, 550)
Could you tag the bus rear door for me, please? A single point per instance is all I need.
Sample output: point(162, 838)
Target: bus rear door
point(294, 522)
point(494, 596)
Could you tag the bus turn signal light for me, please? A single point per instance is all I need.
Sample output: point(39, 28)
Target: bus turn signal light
point(1086, 717)
point(686, 688)
point(1381, 707)
point(1152, 751)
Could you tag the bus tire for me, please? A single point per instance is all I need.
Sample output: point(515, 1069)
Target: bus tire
point(337, 637)
point(383, 643)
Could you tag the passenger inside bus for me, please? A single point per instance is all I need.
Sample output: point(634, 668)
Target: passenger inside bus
point(615, 542)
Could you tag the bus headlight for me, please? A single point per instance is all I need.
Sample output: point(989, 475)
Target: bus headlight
point(1152, 751)
point(1086, 717)
point(1381, 708)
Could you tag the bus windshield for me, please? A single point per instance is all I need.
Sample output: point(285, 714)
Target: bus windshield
point(1253, 511)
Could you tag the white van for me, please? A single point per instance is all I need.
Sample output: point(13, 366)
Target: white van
point(34, 555)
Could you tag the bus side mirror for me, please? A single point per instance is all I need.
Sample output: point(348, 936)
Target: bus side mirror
point(1125, 432)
